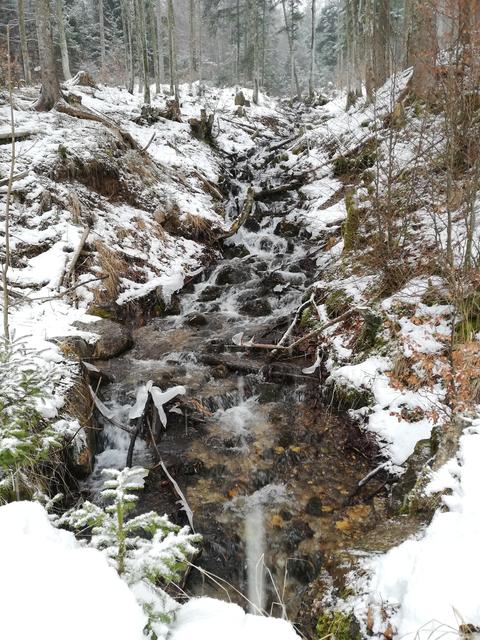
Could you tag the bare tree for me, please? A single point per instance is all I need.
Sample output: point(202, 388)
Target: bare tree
point(172, 49)
point(143, 51)
point(101, 25)
point(63, 40)
point(50, 89)
point(193, 40)
point(23, 41)
point(311, 79)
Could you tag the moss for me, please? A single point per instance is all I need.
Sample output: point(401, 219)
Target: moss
point(62, 151)
point(101, 312)
point(338, 625)
point(337, 302)
point(368, 338)
point(351, 224)
point(307, 320)
point(344, 397)
point(353, 164)
point(469, 326)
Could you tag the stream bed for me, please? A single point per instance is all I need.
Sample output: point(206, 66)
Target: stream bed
point(269, 472)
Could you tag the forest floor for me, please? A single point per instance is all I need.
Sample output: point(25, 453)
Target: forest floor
point(381, 348)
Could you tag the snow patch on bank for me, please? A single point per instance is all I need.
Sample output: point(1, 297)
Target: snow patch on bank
point(429, 584)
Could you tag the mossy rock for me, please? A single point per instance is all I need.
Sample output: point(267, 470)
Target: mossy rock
point(354, 163)
point(345, 397)
point(351, 224)
point(337, 302)
point(368, 338)
point(307, 321)
point(338, 625)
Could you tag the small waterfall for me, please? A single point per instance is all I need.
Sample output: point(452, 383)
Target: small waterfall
point(255, 552)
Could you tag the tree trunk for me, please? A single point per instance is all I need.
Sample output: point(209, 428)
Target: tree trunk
point(161, 55)
point(422, 46)
point(193, 41)
point(50, 89)
point(381, 41)
point(311, 80)
point(102, 35)
point(173, 51)
point(239, 40)
point(294, 83)
point(152, 23)
point(128, 37)
point(63, 40)
point(23, 41)
point(142, 37)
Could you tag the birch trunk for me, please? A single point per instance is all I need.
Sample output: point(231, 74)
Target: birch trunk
point(101, 24)
point(173, 51)
point(311, 79)
point(142, 37)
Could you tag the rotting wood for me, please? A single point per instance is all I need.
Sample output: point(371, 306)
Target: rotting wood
point(76, 255)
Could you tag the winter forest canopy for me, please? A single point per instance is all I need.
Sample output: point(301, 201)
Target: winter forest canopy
point(240, 319)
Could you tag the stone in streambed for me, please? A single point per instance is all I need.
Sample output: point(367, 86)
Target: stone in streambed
point(196, 320)
point(314, 507)
point(232, 275)
point(256, 308)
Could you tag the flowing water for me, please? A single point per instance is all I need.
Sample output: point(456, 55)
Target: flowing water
point(265, 468)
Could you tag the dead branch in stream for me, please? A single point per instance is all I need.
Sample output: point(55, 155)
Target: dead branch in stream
point(243, 217)
point(273, 347)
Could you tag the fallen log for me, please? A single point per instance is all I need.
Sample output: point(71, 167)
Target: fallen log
point(4, 182)
point(20, 134)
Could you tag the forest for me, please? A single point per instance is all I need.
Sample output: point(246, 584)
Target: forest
point(240, 319)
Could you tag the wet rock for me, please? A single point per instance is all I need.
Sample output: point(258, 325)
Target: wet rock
point(231, 274)
point(304, 568)
point(210, 293)
point(261, 266)
point(297, 531)
point(262, 477)
point(266, 244)
point(196, 320)
point(252, 225)
point(256, 308)
point(314, 507)
point(287, 229)
point(113, 338)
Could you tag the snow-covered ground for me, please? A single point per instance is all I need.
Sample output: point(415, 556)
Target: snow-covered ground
point(52, 588)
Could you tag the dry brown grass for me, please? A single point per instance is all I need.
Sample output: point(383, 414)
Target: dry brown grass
point(114, 267)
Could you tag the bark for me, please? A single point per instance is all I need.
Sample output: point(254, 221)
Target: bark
point(50, 89)
point(160, 47)
point(152, 24)
point(128, 39)
point(142, 37)
point(101, 24)
point(311, 80)
point(172, 45)
point(23, 41)
point(193, 41)
point(294, 83)
point(422, 46)
point(63, 40)
point(381, 41)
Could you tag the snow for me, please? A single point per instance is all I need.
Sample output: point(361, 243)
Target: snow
point(51, 588)
point(431, 582)
point(209, 619)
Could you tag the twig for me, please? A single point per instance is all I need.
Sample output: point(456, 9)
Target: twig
point(69, 290)
point(242, 218)
point(150, 141)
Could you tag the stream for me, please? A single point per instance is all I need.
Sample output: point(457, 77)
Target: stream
point(265, 467)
